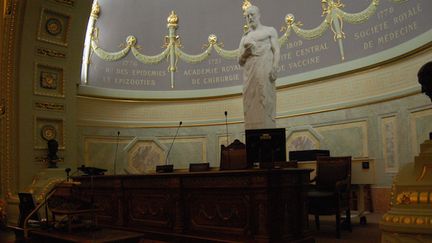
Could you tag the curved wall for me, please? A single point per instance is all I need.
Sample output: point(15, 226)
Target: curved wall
point(377, 113)
point(332, 38)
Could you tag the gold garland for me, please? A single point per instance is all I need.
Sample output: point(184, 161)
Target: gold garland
point(334, 18)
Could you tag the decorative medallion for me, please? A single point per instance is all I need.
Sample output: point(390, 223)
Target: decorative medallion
point(48, 132)
point(47, 128)
point(48, 80)
point(53, 26)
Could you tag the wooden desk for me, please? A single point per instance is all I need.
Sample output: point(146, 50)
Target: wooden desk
point(236, 206)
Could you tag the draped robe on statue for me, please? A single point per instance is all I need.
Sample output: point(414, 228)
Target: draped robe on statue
point(259, 92)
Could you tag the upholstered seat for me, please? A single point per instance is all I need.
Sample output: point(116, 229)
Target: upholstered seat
point(331, 193)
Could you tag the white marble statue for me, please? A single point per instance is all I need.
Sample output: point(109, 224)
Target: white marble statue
point(259, 57)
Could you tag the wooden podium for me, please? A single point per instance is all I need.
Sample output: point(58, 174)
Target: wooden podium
point(237, 205)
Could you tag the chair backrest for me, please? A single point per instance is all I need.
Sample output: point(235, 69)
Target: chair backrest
point(332, 169)
point(26, 206)
point(233, 156)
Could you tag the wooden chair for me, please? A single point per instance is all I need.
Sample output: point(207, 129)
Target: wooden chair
point(331, 193)
point(233, 157)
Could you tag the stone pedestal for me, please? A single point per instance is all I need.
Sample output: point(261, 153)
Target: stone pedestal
point(410, 216)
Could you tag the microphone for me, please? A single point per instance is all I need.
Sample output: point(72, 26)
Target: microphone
point(167, 167)
point(227, 139)
point(172, 143)
point(115, 155)
point(226, 127)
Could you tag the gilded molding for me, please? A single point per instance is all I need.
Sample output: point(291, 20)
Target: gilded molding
point(413, 197)
point(43, 51)
point(49, 106)
point(13, 13)
point(407, 219)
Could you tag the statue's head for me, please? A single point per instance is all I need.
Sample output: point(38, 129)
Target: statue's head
point(425, 79)
point(252, 16)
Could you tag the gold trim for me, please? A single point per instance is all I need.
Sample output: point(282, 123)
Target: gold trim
point(423, 197)
point(12, 36)
point(395, 60)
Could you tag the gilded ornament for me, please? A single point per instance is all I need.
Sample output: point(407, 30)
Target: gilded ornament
point(212, 39)
point(388, 218)
point(95, 10)
point(246, 4)
point(172, 20)
point(414, 197)
point(131, 40)
point(53, 26)
point(407, 220)
point(334, 19)
point(395, 220)
point(423, 197)
point(48, 132)
point(48, 80)
point(403, 198)
point(289, 19)
point(420, 221)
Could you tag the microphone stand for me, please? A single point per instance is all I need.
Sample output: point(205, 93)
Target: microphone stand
point(115, 155)
point(166, 167)
point(227, 139)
